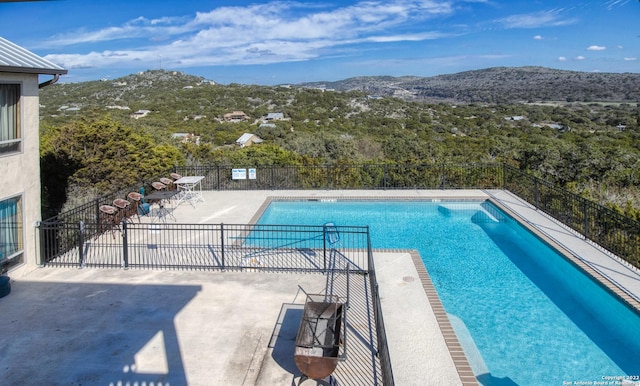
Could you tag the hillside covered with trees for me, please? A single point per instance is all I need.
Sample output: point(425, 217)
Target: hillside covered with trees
point(501, 85)
point(112, 132)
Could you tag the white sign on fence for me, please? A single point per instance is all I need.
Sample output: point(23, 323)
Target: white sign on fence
point(252, 174)
point(239, 174)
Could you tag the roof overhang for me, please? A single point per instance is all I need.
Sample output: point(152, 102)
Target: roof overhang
point(33, 70)
point(16, 59)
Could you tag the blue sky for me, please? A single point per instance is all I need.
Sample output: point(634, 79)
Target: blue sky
point(277, 42)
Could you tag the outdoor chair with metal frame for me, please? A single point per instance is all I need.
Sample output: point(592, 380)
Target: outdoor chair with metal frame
point(176, 177)
point(123, 209)
point(108, 220)
point(157, 185)
point(168, 182)
point(136, 206)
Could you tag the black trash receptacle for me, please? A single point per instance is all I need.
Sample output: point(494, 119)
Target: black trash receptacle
point(5, 286)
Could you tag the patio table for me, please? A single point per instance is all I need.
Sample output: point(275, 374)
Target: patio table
point(190, 189)
point(161, 198)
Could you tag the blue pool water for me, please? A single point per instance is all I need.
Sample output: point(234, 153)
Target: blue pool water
point(523, 313)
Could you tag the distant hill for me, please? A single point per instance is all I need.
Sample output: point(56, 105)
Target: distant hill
point(135, 91)
point(500, 85)
point(187, 95)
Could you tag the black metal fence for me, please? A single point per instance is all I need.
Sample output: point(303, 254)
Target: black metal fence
point(348, 176)
point(203, 246)
point(383, 347)
point(609, 229)
point(605, 227)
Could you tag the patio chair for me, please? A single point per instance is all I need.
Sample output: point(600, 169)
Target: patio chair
point(157, 185)
point(181, 194)
point(108, 220)
point(137, 207)
point(123, 209)
point(168, 182)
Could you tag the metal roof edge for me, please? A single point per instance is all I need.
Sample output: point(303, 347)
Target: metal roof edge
point(32, 70)
point(14, 58)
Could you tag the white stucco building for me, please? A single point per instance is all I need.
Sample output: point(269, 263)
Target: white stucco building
point(19, 152)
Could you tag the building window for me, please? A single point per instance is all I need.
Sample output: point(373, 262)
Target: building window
point(10, 133)
point(11, 232)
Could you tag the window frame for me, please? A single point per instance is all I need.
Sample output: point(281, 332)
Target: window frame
point(13, 145)
point(16, 254)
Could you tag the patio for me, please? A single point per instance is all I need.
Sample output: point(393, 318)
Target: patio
point(115, 326)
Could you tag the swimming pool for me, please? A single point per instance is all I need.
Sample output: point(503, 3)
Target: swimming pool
point(529, 313)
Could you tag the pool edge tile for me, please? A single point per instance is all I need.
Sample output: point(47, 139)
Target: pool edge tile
point(448, 333)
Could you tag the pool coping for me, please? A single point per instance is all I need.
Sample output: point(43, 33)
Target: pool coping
point(467, 376)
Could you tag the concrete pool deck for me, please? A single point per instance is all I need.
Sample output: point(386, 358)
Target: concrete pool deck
point(67, 325)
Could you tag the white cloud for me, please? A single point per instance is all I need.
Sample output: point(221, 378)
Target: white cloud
point(538, 37)
point(562, 58)
point(580, 57)
point(596, 48)
point(136, 28)
point(630, 59)
point(99, 59)
point(259, 33)
point(535, 20)
point(614, 3)
point(405, 37)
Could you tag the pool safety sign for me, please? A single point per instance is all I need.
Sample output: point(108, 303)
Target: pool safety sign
point(241, 174)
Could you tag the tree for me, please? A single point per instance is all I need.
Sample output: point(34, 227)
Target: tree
point(98, 156)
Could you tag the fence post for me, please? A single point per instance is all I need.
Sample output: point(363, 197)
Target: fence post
point(536, 190)
point(585, 214)
point(42, 247)
point(384, 176)
point(81, 244)
point(125, 245)
point(222, 243)
point(328, 176)
point(273, 180)
point(97, 207)
point(324, 247)
point(504, 176)
point(217, 177)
